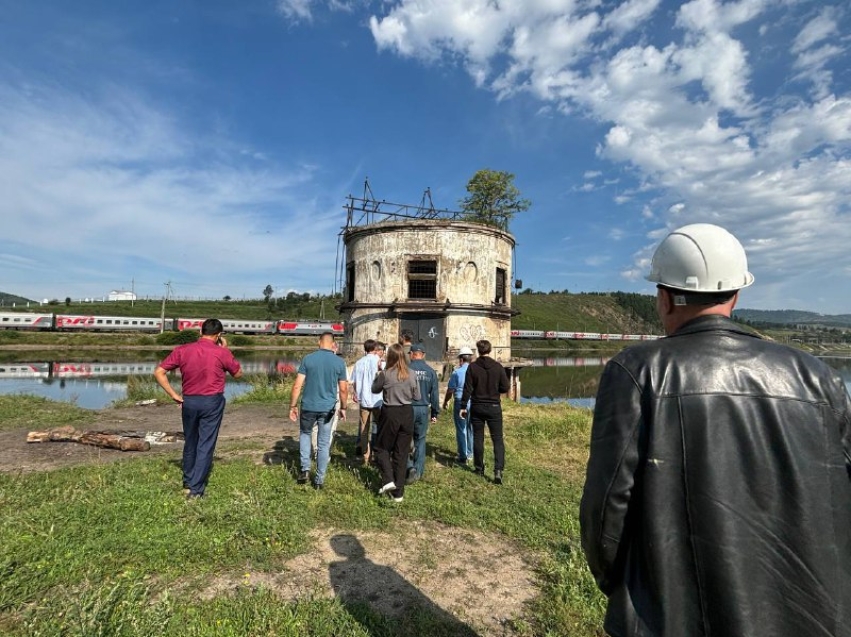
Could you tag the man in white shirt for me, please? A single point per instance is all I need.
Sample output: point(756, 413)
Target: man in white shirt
point(363, 373)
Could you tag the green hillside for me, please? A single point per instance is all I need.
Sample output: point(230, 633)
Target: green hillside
point(611, 313)
point(792, 317)
point(12, 300)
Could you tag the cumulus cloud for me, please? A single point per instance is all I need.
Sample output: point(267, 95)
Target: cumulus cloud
point(685, 113)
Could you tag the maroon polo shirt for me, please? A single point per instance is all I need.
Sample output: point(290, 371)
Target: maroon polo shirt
point(202, 367)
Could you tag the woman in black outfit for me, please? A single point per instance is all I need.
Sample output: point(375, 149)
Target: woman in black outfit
point(399, 389)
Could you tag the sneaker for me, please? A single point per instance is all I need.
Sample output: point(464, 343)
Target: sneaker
point(317, 486)
point(497, 477)
point(480, 471)
point(194, 497)
point(303, 477)
point(390, 486)
point(412, 476)
point(399, 499)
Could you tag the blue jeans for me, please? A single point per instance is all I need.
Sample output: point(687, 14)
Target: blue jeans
point(325, 421)
point(202, 418)
point(463, 431)
point(421, 423)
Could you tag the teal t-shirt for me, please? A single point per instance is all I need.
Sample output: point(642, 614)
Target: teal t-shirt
point(323, 370)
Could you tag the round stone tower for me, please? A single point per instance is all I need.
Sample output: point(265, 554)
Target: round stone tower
point(447, 281)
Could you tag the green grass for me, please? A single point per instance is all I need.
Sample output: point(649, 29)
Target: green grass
point(266, 389)
point(114, 550)
point(32, 412)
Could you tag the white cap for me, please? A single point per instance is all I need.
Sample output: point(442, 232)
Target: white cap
point(465, 351)
point(701, 257)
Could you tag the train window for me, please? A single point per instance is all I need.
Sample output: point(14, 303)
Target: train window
point(108, 321)
point(422, 279)
point(135, 322)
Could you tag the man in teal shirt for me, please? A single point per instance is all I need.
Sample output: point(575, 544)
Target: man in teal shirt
point(321, 381)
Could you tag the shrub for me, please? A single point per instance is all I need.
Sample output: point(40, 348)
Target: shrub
point(177, 338)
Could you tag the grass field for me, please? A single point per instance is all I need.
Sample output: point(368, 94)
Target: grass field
point(115, 550)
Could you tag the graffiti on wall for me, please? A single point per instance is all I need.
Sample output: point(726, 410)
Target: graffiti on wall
point(472, 333)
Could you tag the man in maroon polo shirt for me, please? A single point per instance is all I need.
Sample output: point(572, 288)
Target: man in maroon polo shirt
point(202, 367)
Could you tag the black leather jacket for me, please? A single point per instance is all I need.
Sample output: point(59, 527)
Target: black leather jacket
point(717, 499)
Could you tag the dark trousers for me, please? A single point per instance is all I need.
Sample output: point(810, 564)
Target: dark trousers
point(490, 414)
point(395, 431)
point(202, 418)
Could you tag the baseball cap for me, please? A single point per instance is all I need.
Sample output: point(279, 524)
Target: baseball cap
point(416, 347)
point(465, 351)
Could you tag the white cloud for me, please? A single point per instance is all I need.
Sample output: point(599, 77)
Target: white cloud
point(295, 9)
point(116, 172)
point(684, 113)
point(630, 15)
point(816, 30)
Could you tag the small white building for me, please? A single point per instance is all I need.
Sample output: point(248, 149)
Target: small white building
point(121, 295)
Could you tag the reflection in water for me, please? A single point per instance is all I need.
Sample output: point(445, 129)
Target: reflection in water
point(95, 385)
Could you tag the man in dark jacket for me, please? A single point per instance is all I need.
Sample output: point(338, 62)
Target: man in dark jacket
point(485, 381)
point(717, 498)
point(426, 411)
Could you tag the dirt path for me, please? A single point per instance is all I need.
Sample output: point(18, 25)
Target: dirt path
point(477, 594)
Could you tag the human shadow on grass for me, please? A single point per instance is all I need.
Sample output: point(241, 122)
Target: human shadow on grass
point(383, 601)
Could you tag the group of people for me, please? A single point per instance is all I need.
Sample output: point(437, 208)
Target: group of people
point(717, 498)
point(399, 398)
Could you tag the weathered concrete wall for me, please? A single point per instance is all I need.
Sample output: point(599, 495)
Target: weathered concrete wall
point(467, 257)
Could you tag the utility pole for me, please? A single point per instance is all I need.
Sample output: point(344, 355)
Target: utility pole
point(133, 292)
point(162, 312)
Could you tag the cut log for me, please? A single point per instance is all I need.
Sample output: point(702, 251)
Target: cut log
point(105, 439)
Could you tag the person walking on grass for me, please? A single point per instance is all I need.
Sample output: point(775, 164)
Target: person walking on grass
point(322, 386)
point(484, 383)
point(399, 390)
point(369, 404)
point(717, 498)
point(455, 388)
point(426, 410)
point(203, 365)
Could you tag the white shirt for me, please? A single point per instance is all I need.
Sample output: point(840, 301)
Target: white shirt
point(363, 373)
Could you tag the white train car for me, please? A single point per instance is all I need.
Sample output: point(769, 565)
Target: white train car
point(81, 323)
point(234, 326)
point(25, 321)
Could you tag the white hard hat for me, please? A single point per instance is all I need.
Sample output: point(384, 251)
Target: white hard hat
point(465, 351)
point(701, 257)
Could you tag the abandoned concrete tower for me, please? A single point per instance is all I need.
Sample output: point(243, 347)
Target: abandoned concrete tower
point(417, 268)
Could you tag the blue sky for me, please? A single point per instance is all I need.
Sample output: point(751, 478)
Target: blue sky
point(212, 144)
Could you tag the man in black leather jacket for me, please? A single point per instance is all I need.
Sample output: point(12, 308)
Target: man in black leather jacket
point(717, 499)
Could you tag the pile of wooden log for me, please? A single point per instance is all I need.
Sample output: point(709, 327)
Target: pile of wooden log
point(125, 441)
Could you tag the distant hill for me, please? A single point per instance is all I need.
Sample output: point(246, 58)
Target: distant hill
point(7, 300)
point(792, 318)
point(608, 313)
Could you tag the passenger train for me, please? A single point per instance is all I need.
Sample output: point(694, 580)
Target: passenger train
point(85, 323)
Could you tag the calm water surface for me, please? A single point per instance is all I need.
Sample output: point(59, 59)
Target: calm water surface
point(95, 385)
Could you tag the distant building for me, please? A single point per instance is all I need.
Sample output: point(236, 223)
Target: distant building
point(121, 295)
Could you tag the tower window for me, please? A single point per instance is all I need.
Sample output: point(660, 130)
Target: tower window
point(499, 297)
point(422, 279)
